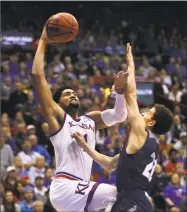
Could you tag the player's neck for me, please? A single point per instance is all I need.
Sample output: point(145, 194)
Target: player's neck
point(73, 113)
point(74, 116)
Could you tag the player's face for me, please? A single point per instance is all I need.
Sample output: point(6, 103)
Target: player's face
point(149, 117)
point(69, 99)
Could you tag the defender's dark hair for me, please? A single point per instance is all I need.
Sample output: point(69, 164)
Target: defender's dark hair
point(57, 95)
point(163, 118)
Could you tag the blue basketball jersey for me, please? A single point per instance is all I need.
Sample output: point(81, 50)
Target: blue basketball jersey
point(135, 171)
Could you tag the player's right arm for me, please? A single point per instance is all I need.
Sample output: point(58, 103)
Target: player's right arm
point(134, 117)
point(51, 111)
point(104, 161)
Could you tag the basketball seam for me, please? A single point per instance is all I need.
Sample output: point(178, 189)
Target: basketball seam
point(69, 36)
point(67, 20)
point(61, 26)
point(48, 34)
point(62, 33)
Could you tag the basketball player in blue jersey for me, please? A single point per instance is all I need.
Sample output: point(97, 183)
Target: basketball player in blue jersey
point(138, 158)
point(72, 190)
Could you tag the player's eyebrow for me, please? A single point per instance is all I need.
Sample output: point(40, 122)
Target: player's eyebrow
point(67, 92)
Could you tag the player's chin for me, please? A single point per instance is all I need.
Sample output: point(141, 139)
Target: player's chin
point(74, 104)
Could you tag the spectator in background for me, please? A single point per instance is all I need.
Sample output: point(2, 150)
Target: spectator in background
point(40, 190)
point(181, 70)
point(175, 94)
point(48, 177)
point(20, 169)
point(112, 143)
point(29, 109)
point(27, 203)
point(22, 74)
point(174, 192)
point(164, 144)
point(20, 135)
point(57, 66)
point(28, 61)
point(44, 138)
point(17, 99)
point(159, 182)
point(28, 156)
point(19, 119)
point(13, 63)
point(38, 169)
point(8, 204)
point(8, 137)
point(38, 206)
point(19, 192)
point(10, 183)
point(6, 73)
point(145, 69)
point(6, 153)
point(178, 127)
point(38, 148)
point(171, 68)
point(31, 130)
point(182, 143)
point(6, 90)
point(172, 163)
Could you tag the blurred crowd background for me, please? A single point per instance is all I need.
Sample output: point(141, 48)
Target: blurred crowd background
point(158, 34)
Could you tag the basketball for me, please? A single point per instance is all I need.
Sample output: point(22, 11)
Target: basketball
point(62, 28)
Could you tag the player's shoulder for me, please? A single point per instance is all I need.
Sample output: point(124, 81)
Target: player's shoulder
point(87, 118)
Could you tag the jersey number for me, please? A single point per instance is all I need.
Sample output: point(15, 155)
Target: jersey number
point(149, 169)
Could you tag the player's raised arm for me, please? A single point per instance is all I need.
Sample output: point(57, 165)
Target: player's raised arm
point(104, 161)
point(119, 113)
point(50, 109)
point(134, 117)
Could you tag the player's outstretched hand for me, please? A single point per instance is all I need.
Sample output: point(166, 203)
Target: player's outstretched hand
point(80, 139)
point(129, 56)
point(120, 80)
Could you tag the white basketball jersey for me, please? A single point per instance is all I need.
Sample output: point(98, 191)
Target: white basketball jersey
point(71, 158)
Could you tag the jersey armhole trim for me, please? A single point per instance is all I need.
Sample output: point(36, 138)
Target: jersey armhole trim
point(147, 136)
point(64, 119)
point(93, 121)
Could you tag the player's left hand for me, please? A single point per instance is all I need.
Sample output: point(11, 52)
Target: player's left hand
point(80, 139)
point(120, 80)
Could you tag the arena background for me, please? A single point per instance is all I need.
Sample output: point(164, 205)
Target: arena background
point(158, 34)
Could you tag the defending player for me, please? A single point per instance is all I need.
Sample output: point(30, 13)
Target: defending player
point(71, 190)
point(138, 158)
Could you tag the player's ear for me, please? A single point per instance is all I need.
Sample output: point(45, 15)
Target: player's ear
point(152, 123)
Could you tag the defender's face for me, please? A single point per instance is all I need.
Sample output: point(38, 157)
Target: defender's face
point(69, 99)
point(149, 117)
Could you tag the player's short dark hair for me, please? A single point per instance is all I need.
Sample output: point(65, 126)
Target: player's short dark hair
point(57, 94)
point(163, 118)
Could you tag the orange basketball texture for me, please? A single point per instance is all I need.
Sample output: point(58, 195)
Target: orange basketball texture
point(62, 27)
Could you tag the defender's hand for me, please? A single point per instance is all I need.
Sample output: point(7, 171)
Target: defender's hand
point(120, 80)
point(80, 139)
point(129, 57)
